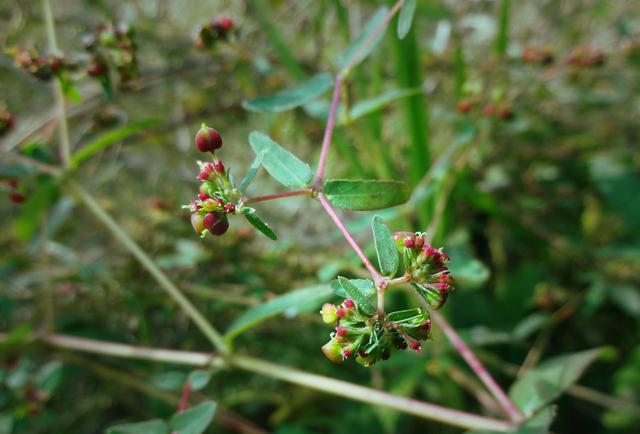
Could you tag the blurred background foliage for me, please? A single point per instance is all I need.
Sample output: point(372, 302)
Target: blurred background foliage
point(527, 171)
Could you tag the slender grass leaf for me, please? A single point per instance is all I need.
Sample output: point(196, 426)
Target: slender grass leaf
point(385, 248)
point(362, 195)
point(260, 225)
point(406, 17)
point(362, 292)
point(372, 105)
point(194, 420)
point(550, 379)
point(109, 138)
point(502, 38)
point(303, 93)
point(244, 184)
point(281, 164)
point(155, 426)
point(365, 42)
point(312, 294)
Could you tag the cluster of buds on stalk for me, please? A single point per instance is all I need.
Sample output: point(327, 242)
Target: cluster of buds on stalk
point(584, 57)
point(538, 55)
point(369, 339)
point(112, 47)
point(502, 111)
point(426, 267)
point(212, 31)
point(6, 120)
point(15, 194)
point(218, 196)
point(39, 66)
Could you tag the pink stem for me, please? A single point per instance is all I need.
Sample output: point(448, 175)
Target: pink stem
point(336, 219)
point(328, 132)
point(266, 197)
point(514, 414)
point(184, 399)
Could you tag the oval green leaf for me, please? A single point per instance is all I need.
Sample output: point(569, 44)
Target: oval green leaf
point(194, 420)
point(260, 225)
point(406, 17)
point(385, 247)
point(362, 292)
point(363, 195)
point(312, 295)
point(302, 94)
point(281, 164)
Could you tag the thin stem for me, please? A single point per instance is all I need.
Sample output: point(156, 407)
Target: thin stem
point(352, 242)
point(328, 132)
point(184, 398)
point(398, 280)
point(284, 373)
point(65, 145)
point(205, 326)
point(474, 363)
point(266, 197)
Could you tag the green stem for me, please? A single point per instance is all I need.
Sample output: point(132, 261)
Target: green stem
point(280, 372)
point(203, 324)
point(65, 145)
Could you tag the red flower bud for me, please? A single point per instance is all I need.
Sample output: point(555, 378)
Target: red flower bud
point(340, 313)
point(341, 331)
point(229, 208)
point(346, 353)
point(419, 242)
point(415, 345)
point(208, 139)
point(488, 110)
point(219, 167)
point(97, 69)
point(409, 242)
point(203, 196)
point(210, 220)
point(16, 197)
point(349, 304)
point(225, 24)
point(464, 106)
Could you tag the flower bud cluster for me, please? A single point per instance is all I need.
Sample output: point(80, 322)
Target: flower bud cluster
point(15, 193)
point(39, 66)
point(369, 339)
point(217, 196)
point(213, 31)
point(6, 120)
point(426, 266)
point(112, 47)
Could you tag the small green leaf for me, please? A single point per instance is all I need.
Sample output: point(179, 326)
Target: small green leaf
point(244, 184)
point(368, 106)
point(385, 247)
point(550, 379)
point(285, 167)
point(302, 94)
point(432, 296)
point(406, 17)
point(364, 44)
point(194, 420)
point(363, 195)
point(49, 376)
point(309, 295)
point(199, 378)
point(68, 88)
point(261, 225)
point(362, 292)
point(403, 315)
point(109, 138)
point(155, 426)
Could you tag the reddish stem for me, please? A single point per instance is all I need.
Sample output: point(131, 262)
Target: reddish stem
point(352, 242)
point(328, 132)
point(266, 197)
point(184, 399)
point(476, 365)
